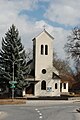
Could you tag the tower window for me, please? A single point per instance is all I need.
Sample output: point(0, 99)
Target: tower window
point(55, 85)
point(42, 49)
point(64, 85)
point(46, 49)
point(43, 85)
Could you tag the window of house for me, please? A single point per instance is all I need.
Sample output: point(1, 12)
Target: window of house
point(43, 71)
point(64, 85)
point(43, 85)
point(60, 85)
point(46, 49)
point(55, 85)
point(42, 49)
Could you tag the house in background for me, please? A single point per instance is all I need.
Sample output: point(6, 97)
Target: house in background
point(64, 87)
point(43, 76)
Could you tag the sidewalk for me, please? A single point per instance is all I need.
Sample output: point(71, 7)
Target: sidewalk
point(49, 102)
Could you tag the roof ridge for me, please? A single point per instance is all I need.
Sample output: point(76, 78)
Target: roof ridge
point(46, 33)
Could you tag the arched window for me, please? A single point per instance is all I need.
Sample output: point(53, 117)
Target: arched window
point(43, 85)
point(46, 49)
point(64, 85)
point(42, 49)
point(55, 85)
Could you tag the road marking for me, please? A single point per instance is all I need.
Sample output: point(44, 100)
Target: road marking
point(38, 111)
point(40, 117)
point(40, 114)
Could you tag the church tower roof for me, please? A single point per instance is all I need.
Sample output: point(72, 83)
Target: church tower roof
point(44, 31)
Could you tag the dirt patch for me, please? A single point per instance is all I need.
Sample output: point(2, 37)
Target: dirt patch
point(14, 101)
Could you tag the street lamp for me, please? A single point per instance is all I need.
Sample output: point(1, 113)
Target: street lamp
point(13, 81)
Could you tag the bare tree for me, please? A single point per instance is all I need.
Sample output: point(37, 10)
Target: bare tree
point(61, 65)
point(72, 47)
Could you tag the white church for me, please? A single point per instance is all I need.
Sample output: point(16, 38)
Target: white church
point(43, 76)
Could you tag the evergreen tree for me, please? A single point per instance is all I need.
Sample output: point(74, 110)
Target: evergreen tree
point(13, 59)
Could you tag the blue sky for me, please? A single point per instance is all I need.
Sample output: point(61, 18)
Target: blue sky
point(29, 16)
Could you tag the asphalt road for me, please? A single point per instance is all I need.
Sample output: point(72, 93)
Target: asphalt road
point(41, 110)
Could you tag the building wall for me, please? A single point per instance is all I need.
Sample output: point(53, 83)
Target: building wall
point(42, 61)
point(50, 88)
point(63, 87)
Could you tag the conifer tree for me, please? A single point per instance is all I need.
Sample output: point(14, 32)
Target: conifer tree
point(12, 55)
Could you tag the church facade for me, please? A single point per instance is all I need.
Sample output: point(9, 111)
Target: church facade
point(43, 76)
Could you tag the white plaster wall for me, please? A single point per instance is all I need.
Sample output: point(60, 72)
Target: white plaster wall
point(23, 92)
point(37, 89)
point(43, 61)
point(56, 92)
point(49, 83)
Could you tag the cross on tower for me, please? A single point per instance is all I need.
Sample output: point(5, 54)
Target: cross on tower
point(44, 26)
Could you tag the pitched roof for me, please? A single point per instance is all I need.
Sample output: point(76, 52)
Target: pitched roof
point(55, 76)
point(46, 33)
point(29, 62)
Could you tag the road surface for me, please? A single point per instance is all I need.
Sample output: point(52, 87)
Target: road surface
point(41, 110)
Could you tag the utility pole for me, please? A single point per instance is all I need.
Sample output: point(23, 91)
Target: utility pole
point(13, 82)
